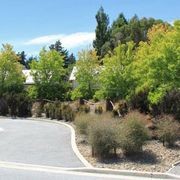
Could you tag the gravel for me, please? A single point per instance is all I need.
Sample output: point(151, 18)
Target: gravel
point(154, 158)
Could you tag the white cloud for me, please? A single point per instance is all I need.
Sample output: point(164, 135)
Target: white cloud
point(67, 40)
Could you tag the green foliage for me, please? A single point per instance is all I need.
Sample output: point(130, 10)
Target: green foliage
point(68, 60)
point(3, 107)
point(86, 76)
point(102, 30)
point(116, 76)
point(24, 105)
point(132, 134)
point(11, 76)
point(157, 63)
point(103, 137)
point(49, 76)
point(168, 130)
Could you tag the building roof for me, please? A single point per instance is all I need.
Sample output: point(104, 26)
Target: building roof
point(29, 77)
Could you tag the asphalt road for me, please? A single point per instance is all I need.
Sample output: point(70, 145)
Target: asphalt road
point(34, 150)
point(33, 142)
point(20, 174)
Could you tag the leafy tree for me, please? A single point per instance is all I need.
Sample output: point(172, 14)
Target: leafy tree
point(118, 24)
point(22, 58)
point(86, 76)
point(29, 61)
point(115, 78)
point(102, 30)
point(157, 64)
point(11, 77)
point(49, 76)
point(68, 60)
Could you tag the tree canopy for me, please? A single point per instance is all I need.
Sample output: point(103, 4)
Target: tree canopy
point(49, 76)
point(11, 76)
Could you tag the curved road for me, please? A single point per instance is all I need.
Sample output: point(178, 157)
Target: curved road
point(42, 150)
point(38, 143)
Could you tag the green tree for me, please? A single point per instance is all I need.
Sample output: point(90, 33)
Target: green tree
point(11, 76)
point(49, 76)
point(115, 78)
point(102, 30)
point(68, 60)
point(86, 76)
point(157, 64)
point(22, 58)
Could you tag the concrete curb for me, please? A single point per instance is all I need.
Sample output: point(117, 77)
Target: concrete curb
point(172, 167)
point(73, 139)
point(129, 173)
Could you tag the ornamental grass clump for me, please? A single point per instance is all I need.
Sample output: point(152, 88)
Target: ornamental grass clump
point(102, 137)
point(82, 122)
point(168, 131)
point(132, 134)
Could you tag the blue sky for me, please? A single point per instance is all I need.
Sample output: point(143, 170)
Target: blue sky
point(31, 24)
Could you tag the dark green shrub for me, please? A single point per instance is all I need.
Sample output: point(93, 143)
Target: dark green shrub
point(3, 107)
point(170, 104)
point(67, 113)
point(132, 134)
point(102, 137)
point(140, 101)
point(98, 109)
point(23, 105)
point(12, 100)
point(168, 130)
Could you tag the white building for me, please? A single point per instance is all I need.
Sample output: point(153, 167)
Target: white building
point(72, 77)
point(28, 76)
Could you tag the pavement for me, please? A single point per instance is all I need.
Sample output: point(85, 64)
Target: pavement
point(31, 149)
point(34, 142)
point(175, 169)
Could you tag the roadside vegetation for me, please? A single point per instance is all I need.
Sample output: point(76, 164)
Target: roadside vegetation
point(128, 85)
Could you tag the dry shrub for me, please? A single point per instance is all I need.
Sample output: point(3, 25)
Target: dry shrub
point(168, 130)
point(98, 109)
point(37, 109)
point(82, 122)
point(132, 133)
point(102, 137)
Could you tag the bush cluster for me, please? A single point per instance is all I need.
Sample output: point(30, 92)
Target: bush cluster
point(59, 111)
point(106, 134)
point(15, 105)
point(84, 108)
